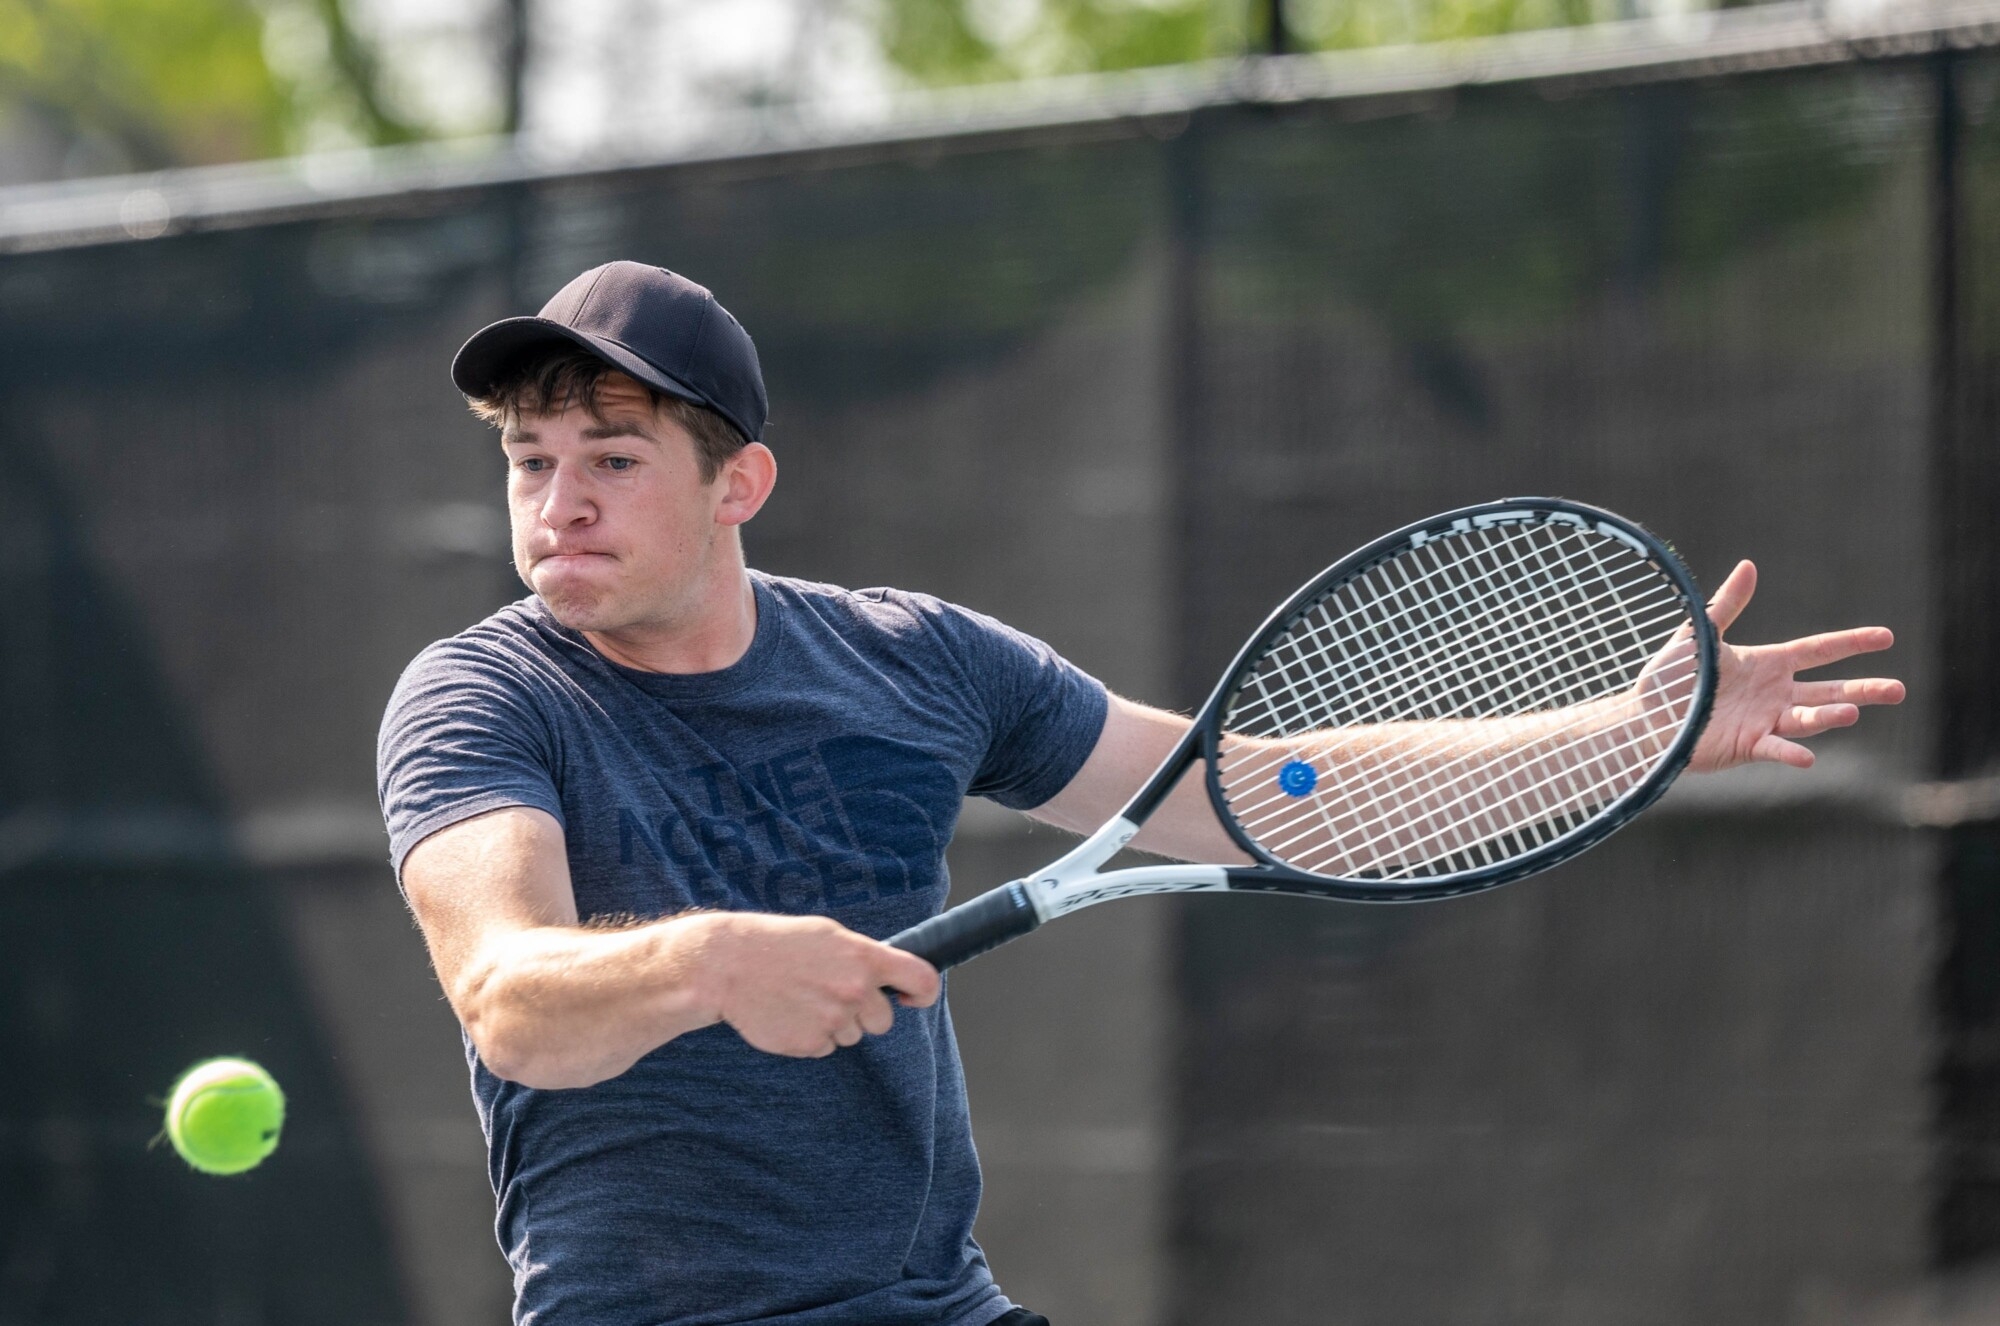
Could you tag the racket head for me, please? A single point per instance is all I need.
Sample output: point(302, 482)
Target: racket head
point(1529, 610)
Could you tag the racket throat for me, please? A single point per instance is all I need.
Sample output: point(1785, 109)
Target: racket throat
point(1077, 880)
point(1077, 868)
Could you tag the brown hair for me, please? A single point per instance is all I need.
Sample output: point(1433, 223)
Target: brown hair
point(559, 380)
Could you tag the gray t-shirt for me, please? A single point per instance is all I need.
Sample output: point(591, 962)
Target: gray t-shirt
point(821, 773)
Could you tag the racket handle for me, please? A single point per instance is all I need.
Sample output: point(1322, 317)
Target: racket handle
point(971, 928)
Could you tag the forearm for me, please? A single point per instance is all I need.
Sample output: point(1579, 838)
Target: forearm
point(568, 1006)
point(1185, 827)
point(1135, 740)
point(1406, 792)
point(550, 1003)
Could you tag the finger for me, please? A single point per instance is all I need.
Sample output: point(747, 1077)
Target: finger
point(848, 1034)
point(1859, 690)
point(877, 1015)
point(1816, 651)
point(1776, 750)
point(1807, 721)
point(1732, 596)
point(915, 981)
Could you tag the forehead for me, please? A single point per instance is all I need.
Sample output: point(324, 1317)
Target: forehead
point(618, 391)
point(619, 399)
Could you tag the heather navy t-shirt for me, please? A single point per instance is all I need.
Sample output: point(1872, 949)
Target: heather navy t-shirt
point(821, 773)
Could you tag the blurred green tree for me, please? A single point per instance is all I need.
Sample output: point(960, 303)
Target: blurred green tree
point(958, 41)
point(965, 41)
point(144, 84)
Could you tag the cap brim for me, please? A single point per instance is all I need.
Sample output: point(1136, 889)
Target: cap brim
point(483, 361)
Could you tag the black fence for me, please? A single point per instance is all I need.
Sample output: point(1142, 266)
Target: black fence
point(1122, 382)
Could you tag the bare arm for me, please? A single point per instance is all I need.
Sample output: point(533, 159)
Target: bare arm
point(1134, 741)
point(551, 1003)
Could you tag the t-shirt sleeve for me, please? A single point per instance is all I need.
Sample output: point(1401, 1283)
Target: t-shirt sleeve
point(461, 737)
point(1044, 713)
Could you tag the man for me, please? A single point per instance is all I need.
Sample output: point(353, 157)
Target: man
point(655, 819)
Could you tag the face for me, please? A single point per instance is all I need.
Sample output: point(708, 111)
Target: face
point(612, 523)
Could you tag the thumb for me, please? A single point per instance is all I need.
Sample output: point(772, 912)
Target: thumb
point(1732, 596)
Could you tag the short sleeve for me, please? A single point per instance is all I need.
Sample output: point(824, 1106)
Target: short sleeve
point(1044, 714)
point(461, 736)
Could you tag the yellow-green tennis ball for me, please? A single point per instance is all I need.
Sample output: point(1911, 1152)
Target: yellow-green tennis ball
point(225, 1115)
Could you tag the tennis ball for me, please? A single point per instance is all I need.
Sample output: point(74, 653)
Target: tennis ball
point(224, 1116)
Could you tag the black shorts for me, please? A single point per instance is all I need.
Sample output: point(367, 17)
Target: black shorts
point(1021, 1317)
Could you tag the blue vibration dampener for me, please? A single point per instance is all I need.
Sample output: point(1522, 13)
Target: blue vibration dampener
point(1297, 778)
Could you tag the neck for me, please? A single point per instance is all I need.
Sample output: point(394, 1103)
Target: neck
point(715, 630)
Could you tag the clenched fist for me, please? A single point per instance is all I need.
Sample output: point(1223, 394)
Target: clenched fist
point(806, 985)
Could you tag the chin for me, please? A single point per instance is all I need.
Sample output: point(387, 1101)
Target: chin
point(578, 616)
point(586, 612)
point(579, 606)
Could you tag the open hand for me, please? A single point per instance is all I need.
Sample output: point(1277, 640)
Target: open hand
point(1761, 708)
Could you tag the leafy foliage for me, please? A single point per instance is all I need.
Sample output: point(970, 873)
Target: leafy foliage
point(154, 83)
point(962, 41)
point(958, 41)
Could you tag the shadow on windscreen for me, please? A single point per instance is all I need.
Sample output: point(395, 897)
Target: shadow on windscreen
point(133, 942)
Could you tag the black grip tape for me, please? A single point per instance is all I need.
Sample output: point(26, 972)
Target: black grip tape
point(971, 928)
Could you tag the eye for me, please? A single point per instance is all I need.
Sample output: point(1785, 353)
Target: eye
point(531, 464)
point(620, 463)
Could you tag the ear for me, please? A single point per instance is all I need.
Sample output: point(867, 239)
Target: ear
point(745, 481)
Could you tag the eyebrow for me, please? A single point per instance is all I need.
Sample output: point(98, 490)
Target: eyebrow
point(596, 433)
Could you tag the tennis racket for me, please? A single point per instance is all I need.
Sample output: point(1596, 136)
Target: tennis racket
point(1462, 703)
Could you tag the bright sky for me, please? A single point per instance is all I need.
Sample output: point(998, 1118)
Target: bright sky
point(605, 68)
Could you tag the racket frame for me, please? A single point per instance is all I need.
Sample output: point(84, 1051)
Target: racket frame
point(1272, 875)
point(1076, 879)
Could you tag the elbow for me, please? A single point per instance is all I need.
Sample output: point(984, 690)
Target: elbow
point(506, 1053)
point(505, 1047)
point(540, 1071)
point(512, 1043)
point(515, 1053)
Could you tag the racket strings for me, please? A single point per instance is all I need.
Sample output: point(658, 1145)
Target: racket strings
point(1328, 636)
point(1460, 704)
point(1528, 700)
point(1503, 740)
point(1446, 800)
point(1414, 684)
point(1465, 823)
point(1360, 788)
point(1549, 783)
point(1533, 793)
point(1341, 634)
point(1491, 620)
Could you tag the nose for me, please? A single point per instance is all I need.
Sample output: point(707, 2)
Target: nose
point(566, 501)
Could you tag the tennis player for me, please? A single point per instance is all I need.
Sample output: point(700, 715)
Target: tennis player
point(655, 818)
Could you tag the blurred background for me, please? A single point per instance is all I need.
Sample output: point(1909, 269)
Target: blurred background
point(1114, 318)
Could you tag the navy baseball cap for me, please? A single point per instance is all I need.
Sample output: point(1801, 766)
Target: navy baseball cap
point(659, 327)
